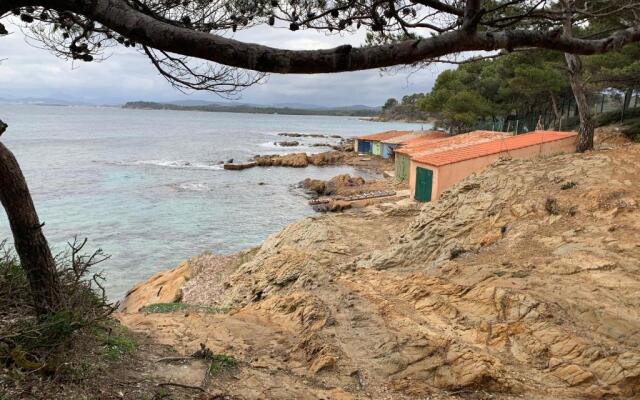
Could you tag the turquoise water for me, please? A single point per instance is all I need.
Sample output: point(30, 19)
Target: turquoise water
point(146, 186)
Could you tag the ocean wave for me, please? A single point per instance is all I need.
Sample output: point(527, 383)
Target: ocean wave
point(192, 187)
point(181, 164)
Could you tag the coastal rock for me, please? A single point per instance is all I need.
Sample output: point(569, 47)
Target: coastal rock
point(326, 158)
point(372, 304)
point(339, 182)
point(339, 205)
point(297, 135)
point(296, 160)
point(285, 143)
point(163, 287)
point(333, 186)
point(314, 186)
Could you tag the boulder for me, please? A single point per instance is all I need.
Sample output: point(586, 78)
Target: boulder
point(296, 160)
point(326, 158)
point(290, 143)
point(315, 186)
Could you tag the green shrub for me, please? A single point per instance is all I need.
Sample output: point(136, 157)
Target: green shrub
point(33, 342)
point(164, 308)
point(632, 129)
point(117, 345)
point(221, 362)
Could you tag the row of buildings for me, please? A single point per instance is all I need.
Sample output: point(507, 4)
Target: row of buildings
point(433, 161)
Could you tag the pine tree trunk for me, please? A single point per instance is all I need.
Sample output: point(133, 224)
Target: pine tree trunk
point(29, 241)
point(587, 126)
point(556, 112)
point(625, 105)
point(574, 68)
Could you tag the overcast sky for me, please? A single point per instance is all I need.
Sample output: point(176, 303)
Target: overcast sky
point(26, 71)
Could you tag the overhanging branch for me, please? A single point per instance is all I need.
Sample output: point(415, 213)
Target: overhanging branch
point(149, 31)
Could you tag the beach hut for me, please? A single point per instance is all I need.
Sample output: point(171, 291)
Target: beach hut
point(431, 144)
point(388, 146)
point(371, 143)
point(376, 148)
point(438, 171)
point(361, 145)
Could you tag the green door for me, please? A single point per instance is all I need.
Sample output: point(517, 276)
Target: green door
point(377, 148)
point(402, 167)
point(424, 182)
point(398, 165)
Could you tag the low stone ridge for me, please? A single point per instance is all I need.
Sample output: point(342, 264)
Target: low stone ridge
point(291, 143)
point(299, 160)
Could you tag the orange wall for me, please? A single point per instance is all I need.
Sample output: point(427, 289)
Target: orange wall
point(448, 175)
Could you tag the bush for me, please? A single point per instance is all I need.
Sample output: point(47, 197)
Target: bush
point(632, 129)
point(34, 343)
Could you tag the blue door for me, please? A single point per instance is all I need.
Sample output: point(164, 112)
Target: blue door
point(387, 150)
point(364, 146)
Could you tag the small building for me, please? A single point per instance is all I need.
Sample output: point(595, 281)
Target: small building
point(438, 171)
point(432, 144)
point(370, 144)
point(388, 146)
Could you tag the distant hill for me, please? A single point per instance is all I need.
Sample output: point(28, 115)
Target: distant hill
point(292, 109)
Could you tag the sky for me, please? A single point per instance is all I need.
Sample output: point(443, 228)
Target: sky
point(27, 71)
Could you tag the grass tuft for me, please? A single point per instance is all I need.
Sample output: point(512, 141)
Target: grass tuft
point(221, 362)
point(165, 308)
point(117, 344)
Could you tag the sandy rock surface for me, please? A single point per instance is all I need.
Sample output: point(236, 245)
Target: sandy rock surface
point(489, 293)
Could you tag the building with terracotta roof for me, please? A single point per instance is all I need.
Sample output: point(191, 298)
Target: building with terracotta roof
point(437, 171)
point(371, 143)
point(431, 144)
point(390, 145)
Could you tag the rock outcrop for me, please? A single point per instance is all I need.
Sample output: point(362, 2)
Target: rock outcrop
point(487, 292)
point(335, 185)
point(299, 160)
point(296, 160)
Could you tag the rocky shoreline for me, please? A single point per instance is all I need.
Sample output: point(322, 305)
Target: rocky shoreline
point(485, 291)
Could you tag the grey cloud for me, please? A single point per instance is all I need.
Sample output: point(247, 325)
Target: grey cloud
point(31, 72)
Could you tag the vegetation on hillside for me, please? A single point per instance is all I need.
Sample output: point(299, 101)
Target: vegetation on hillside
point(407, 109)
point(343, 111)
point(525, 90)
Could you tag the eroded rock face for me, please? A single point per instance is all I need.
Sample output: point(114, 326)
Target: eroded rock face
point(335, 185)
point(485, 291)
point(296, 160)
point(163, 287)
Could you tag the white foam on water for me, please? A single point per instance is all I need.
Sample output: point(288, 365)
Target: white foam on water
point(192, 187)
point(181, 164)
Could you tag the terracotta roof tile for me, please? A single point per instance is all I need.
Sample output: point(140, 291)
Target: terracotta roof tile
point(492, 147)
point(383, 135)
point(416, 137)
point(449, 142)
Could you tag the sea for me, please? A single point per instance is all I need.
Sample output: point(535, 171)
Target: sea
point(147, 186)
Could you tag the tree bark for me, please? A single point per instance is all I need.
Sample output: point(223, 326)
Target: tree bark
point(625, 105)
point(145, 29)
point(574, 68)
point(29, 241)
point(556, 112)
point(587, 125)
